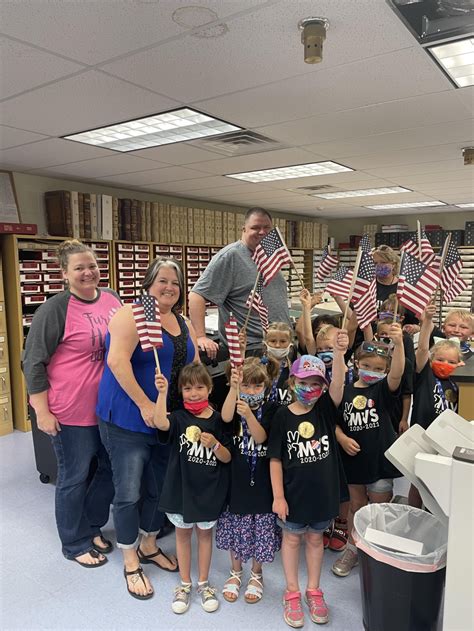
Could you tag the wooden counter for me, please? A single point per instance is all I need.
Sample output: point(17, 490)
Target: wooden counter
point(464, 377)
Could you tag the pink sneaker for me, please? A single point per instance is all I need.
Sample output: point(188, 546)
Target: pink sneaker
point(317, 607)
point(293, 610)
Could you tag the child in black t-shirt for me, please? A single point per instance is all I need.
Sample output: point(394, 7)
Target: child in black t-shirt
point(278, 341)
point(304, 464)
point(366, 431)
point(248, 528)
point(196, 482)
point(434, 390)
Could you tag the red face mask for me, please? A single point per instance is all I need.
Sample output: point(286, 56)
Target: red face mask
point(196, 407)
point(442, 370)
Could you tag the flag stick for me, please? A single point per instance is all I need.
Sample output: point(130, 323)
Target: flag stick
point(354, 278)
point(252, 293)
point(444, 254)
point(418, 229)
point(157, 361)
point(395, 311)
point(290, 257)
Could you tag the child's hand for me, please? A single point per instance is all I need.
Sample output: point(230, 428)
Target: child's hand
point(402, 427)
point(350, 446)
point(396, 334)
point(316, 298)
point(430, 311)
point(280, 507)
point(208, 440)
point(305, 298)
point(243, 340)
point(235, 377)
point(161, 382)
point(411, 329)
point(243, 409)
point(341, 341)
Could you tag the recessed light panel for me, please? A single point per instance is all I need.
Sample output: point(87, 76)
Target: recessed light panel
point(286, 173)
point(407, 205)
point(152, 131)
point(470, 205)
point(457, 59)
point(363, 192)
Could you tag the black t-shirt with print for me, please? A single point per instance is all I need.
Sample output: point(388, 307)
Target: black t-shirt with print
point(366, 418)
point(406, 388)
point(246, 499)
point(311, 466)
point(196, 482)
point(432, 396)
point(279, 392)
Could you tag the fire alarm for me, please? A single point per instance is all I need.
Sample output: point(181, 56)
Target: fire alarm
point(468, 155)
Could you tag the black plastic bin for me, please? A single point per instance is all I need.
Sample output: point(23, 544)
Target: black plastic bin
point(401, 592)
point(45, 457)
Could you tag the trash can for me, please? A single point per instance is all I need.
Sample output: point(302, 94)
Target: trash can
point(402, 559)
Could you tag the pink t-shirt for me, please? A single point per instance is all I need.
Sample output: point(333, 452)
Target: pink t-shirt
point(76, 367)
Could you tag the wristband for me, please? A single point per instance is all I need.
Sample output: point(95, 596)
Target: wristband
point(216, 446)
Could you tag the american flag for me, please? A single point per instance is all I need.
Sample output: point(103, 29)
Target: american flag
point(417, 284)
point(255, 301)
point(146, 314)
point(270, 255)
point(452, 283)
point(327, 265)
point(340, 283)
point(411, 247)
point(365, 286)
point(232, 335)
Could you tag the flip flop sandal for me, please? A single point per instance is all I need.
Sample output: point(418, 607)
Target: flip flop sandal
point(254, 590)
point(94, 554)
point(148, 558)
point(139, 573)
point(107, 545)
point(232, 588)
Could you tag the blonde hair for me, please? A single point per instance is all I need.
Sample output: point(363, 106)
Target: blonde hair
point(194, 374)
point(448, 344)
point(255, 371)
point(463, 314)
point(70, 247)
point(390, 303)
point(324, 333)
point(388, 256)
point(362, 354)
point(280, 327)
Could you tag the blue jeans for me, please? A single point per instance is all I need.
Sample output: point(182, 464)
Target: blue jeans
point(82, 507)
point(139, 464)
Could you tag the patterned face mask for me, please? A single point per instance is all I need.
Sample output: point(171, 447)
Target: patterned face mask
point(308, 395)
point(326, 356)
point(370, 376)
point(253, 400)
point(383, 270)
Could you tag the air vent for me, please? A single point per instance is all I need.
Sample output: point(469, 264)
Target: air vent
point(310, 190)
point(239, 143)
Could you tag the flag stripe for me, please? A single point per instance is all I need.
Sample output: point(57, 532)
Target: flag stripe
point(232, 335)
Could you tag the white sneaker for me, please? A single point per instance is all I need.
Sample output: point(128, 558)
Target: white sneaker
point(209, 600)
point(182, 595)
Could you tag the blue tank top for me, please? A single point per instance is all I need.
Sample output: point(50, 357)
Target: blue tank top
point(113, 403)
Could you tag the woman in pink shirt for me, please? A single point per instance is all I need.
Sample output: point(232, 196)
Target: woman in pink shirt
point(63, 365)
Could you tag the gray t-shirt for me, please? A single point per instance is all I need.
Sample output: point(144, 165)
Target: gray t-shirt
point(227, 282)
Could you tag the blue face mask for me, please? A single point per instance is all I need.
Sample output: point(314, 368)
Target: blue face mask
point(326, 356)
point(370, 376)
point(253, 400)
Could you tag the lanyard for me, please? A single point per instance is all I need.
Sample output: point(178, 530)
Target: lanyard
point(273, 393)
point(439, 387)
point(251, 457)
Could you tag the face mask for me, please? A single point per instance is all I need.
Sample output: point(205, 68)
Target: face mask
point(383, 270)
point(326, 356)
point(196, 407)
point(442, 370)
point(308, 395)
point(278, 353)
point(370, 376)
point(253, 400)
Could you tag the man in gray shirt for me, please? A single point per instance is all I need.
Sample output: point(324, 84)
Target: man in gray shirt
point(227, 282)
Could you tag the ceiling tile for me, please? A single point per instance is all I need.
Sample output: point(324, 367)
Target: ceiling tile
point(80, 103)
point(155, 176)
point(51, 152)
point(408, 156)
point(11, 137)
point(102, 167)
point(178, 153)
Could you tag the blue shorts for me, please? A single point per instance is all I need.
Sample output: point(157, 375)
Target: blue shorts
point(299, 529)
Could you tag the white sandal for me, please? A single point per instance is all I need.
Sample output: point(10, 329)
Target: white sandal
point(232, 588)
point(254, 590)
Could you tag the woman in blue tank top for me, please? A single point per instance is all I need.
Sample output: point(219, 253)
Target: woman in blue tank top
point(126, 402)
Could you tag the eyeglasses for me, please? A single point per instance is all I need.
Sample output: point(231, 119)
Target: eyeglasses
point(379, 348)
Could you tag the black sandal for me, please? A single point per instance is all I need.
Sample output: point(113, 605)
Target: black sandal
point(94, 554)
point(108, 547)
point(139, 573)
point(148, 558)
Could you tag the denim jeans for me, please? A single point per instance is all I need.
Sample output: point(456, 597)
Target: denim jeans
point(139, 464)
point(82, 506)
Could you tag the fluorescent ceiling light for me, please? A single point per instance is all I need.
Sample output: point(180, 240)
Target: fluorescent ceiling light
point(152, 131)
point(406, 205)
point(457, 60)
point(363, 192)
point(470, 205)
point(286, 173)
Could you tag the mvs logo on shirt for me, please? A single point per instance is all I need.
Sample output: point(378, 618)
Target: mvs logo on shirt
point(360, 414)
point(307, 450)
point(196, 452)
